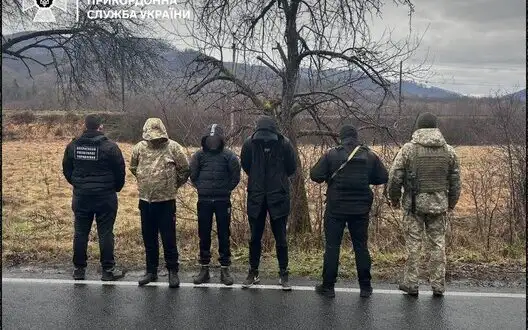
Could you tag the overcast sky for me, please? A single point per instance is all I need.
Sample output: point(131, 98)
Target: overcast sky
point(475, 46)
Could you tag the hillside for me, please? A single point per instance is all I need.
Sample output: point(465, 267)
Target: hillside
point(20, 88)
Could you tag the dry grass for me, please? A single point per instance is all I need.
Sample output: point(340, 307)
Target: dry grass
point(37, 220)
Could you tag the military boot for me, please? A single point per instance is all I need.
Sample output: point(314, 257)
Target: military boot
point(203, 276)
point(225, 276)
point(174, 280)
point(147, 278)
point(411, 290)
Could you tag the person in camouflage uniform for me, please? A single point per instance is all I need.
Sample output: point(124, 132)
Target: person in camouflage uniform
point(160, 167)
point(427, 168)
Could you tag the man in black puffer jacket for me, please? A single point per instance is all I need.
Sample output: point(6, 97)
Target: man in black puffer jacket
point(268, 158)
point(215, 172)
point(95, 167)
point(349, 170)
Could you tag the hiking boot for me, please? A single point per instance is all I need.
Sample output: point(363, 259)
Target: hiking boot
point(147, 278)
point(410, 290)
point(365, 292)
point(174, 280)
point(251, 279)
point(79, 273)
point(225, 276)
point(203, 276)
point(325, 291)
point(283, 281)
point(113, 274)
point(438, 292)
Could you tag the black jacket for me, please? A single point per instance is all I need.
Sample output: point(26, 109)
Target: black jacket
point(268, 158)
point(94, 165)
point(349, 191)
point(214, 173)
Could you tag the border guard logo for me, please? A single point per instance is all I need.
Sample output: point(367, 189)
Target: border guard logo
point(44, 9)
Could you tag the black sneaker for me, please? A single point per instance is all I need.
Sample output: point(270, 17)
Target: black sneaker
point(203, 276)
point(283, 281)
point(365, 292)
point(251, 279)
point(325, 291)
point(174, 280)
point(410, 290)
point(147, 278)
point(79, 273)
point(113, 274)
point(225, 276)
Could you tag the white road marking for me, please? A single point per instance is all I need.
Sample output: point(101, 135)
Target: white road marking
point(262, 287)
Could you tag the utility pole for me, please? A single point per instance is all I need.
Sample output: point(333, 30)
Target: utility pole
point(400, 91)
point(233, 70)
point(122, 81)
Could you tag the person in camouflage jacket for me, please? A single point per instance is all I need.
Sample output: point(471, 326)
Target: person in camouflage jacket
point(160, 166)
point(427, 169)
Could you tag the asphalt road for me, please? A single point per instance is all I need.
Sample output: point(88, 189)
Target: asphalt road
point(61, 304)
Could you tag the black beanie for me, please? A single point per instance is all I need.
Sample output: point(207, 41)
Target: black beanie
point(426, 120)
point(92, 122)
point(348, 131)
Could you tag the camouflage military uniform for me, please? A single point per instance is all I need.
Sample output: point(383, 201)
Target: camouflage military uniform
point(429, 208)
point(159, 169)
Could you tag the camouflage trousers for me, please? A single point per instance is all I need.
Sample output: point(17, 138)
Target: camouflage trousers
point(434, 226)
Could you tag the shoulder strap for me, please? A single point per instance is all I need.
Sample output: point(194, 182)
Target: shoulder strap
point(346, 162)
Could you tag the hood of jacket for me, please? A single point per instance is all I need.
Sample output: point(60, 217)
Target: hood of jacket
point(154, 130)
point(266, 129)
point(214, 130)
point(428, 137)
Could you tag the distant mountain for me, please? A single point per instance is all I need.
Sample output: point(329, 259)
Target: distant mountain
point(520, 95)
point(15, 73)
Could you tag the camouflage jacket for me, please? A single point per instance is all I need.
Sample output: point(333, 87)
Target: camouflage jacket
point(426, 203)
point(159, 164)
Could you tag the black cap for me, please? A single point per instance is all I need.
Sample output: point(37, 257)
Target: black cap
point(93, 122)
point(348, 132)
point(426, 120)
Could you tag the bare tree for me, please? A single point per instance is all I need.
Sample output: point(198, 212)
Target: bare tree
point(86, 54)
point(318, 60)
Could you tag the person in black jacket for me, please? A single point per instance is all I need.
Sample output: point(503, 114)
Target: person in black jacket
point(95, 167)
point(268, 158)
point(349, 199)
point(215, 172)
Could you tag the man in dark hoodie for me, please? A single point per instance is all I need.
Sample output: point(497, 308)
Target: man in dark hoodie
point(268, 158)
point(95, 167)
point(349, 170)
point(215, 172)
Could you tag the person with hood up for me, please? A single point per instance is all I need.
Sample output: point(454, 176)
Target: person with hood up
point(268, 158)
point(215, 172)
point(348, 169)
point(160, 167)
point(95, 167)
point(428, 171)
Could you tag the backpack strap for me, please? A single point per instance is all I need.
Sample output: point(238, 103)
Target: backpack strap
point(346, 162)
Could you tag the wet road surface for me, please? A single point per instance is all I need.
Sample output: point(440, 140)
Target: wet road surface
point(61, 304)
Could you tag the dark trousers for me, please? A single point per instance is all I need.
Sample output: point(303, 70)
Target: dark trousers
point(358, 228)
point(104, 209)
point(222, 213)
point(159, 218)
point(278, 227)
